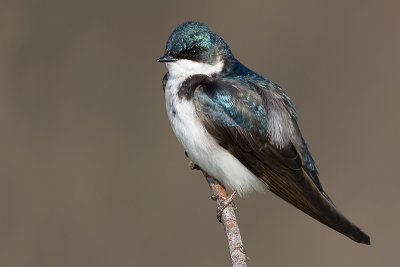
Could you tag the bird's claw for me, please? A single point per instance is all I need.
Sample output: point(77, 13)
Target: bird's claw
point(193, 166)
point(224, 203)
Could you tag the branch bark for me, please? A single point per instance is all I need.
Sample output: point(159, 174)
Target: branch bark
point(228, 219)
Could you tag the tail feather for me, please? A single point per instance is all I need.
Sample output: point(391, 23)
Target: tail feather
point(307, 197)
point(337, 221)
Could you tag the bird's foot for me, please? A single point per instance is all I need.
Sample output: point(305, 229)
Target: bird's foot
point(193, 166)
point(224, 203)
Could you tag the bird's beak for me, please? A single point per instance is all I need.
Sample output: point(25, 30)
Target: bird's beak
point(166, 58)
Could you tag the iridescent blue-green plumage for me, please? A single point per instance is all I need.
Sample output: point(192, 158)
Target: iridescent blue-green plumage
point(194, 34)
point(190, 34)
point(254, 119)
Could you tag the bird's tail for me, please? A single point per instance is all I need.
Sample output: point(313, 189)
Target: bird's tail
point(305, 195)
point(330, 216)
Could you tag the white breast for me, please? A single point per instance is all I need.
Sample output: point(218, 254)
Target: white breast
point(201, 146)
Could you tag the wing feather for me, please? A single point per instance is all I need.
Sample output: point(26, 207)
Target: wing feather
point(238, 116)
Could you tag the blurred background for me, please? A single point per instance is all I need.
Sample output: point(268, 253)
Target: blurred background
point(92, 175)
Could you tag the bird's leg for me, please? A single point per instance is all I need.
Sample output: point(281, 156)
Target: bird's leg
point(223, 203)
point(192, 165)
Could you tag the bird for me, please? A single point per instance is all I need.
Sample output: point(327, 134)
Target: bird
point(240, 127)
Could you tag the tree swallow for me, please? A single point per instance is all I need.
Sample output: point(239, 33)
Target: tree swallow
point(240, 127)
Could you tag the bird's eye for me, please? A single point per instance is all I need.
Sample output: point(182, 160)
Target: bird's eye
point(194, 51)
point(190, 53)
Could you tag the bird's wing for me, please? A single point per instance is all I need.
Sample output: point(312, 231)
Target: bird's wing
point(257, 125)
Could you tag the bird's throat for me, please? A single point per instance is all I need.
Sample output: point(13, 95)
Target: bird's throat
point(186, 68)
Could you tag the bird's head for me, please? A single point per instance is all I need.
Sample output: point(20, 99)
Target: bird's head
point(193, 48)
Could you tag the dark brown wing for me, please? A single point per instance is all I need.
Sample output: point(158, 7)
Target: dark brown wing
point(270, 146)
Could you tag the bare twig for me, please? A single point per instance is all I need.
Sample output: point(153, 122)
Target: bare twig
point(228, 219)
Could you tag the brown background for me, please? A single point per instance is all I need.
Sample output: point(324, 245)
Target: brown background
point(91, 174)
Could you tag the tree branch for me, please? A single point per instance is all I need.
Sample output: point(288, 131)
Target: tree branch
point(228, 219)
